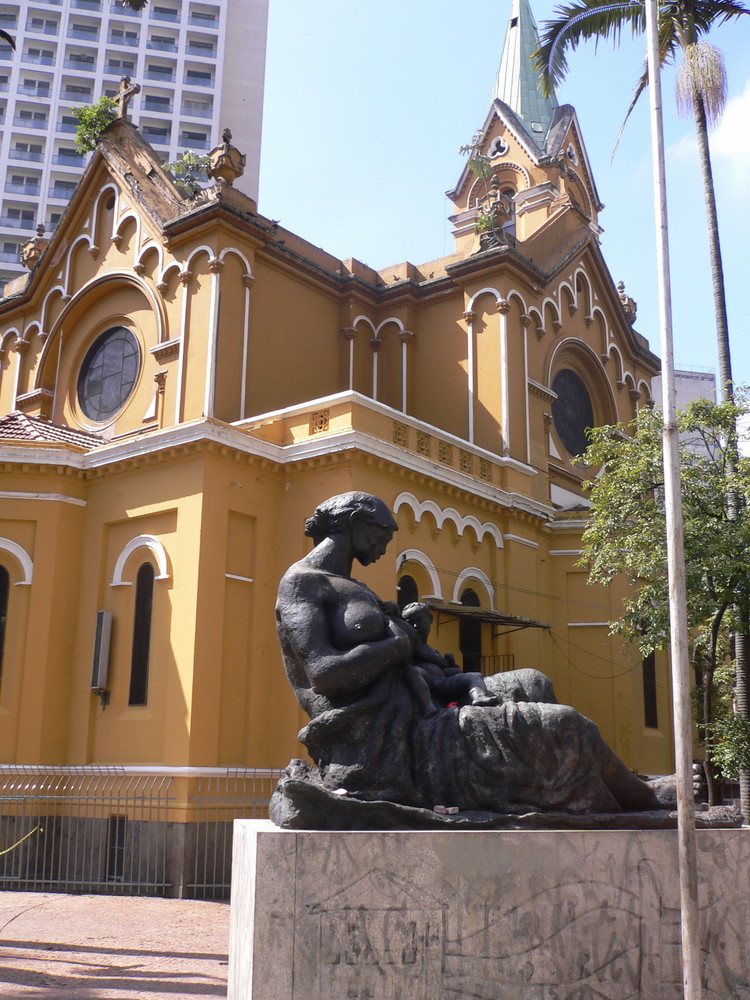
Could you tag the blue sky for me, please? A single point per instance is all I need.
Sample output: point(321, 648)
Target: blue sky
point(366, 106)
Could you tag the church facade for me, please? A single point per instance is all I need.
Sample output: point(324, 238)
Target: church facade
point(182, 381)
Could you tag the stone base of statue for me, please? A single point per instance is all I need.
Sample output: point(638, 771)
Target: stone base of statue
point(482, 914)
point(302, 802)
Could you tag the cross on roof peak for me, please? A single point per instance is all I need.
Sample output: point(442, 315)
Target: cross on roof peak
point(125, 94)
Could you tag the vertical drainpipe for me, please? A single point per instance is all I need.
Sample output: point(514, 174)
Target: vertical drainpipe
point(215, 266)
point(185, 277)
point(21, 347)
point(405, 337)
point(375, 344)
point(525, 320)
point(57, 372)
point(348, 333)
point(469, 317)
point(503, 308)
point(247, 281)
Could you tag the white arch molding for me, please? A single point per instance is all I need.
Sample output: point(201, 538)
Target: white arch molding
point(441, 515)
point(127, 278)
point(418, 557)
point(22, 557)
point(473, 573)
point(141, 541)
point(580, 349)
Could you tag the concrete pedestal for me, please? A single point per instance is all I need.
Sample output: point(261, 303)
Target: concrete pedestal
point(579, 915)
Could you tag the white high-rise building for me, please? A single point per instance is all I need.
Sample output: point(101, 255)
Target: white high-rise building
point(200, 64)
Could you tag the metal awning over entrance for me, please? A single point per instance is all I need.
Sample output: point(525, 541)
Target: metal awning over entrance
point(498, 619)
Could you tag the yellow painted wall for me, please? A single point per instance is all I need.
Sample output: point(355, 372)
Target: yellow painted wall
point(224, 496)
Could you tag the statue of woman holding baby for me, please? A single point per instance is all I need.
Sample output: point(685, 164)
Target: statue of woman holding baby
point(348, 657)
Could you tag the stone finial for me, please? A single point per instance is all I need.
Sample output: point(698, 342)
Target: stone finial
point(33, 249)
point(125, 94)
point(226, 161)
point(629, 305)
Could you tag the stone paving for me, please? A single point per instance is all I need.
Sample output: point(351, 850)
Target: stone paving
point(66, 947)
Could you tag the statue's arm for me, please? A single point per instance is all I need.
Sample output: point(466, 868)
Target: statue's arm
point(305, 605)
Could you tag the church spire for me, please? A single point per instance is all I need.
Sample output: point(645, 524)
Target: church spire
point(517, 82)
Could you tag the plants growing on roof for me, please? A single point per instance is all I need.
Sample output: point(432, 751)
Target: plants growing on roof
point(189, 170)
point(487, 222)
point(92, 120)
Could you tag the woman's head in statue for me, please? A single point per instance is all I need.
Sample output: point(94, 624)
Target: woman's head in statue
point(365, 516)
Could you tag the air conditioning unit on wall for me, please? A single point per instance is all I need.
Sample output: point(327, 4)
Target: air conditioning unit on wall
point(100, 665)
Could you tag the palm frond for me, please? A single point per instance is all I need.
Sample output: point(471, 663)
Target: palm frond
point(578, 21)
point(708, 14)
point(8, 38)
point(680, 24)
point(640, 87)
point(668, 46)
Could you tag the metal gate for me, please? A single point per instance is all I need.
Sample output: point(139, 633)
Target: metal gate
point(129, 830)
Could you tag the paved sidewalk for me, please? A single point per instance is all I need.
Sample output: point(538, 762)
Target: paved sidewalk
point(62, 947)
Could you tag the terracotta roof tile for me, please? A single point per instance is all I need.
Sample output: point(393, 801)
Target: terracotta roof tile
point(17, 426)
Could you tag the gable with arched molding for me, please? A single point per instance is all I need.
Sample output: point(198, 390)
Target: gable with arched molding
point(108, 301)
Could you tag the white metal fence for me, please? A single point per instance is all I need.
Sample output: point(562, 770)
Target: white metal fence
point(129, 830)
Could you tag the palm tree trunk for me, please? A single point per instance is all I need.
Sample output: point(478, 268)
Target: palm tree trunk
point(726, 386)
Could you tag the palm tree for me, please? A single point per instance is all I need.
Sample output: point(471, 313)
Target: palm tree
point(8, 38)
point(701, 90)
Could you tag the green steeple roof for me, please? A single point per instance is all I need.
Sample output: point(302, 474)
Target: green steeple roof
point(517, 82)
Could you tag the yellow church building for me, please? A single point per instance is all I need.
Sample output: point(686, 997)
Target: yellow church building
point(182, 380)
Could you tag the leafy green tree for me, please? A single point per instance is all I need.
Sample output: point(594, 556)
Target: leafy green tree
point(701, 89)
point(92, 120)
point(189, 170)
point(626, 535)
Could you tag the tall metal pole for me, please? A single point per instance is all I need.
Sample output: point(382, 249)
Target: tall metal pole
point(689, 916)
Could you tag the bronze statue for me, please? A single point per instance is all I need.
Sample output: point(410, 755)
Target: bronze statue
point(350, 659)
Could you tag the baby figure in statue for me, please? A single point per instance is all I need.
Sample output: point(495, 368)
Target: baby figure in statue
point(433, 678)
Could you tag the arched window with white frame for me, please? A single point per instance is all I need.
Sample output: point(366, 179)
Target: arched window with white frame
point(141, 647)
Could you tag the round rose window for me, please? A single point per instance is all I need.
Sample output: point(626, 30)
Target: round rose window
point(108, 373)
point(572, 411)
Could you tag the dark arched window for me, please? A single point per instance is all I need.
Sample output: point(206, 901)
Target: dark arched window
point(144, 593)
point(4, 591)
point(650, 710)
point(470, 633)
point(407, 591)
